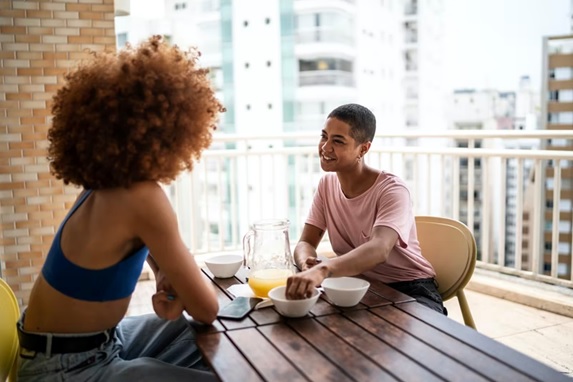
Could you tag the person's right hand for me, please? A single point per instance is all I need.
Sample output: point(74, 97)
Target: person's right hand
point(301, 285)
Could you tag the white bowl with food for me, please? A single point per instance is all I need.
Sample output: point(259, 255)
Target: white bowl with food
point(224, 266)
point(292, 308)
point(345, 291)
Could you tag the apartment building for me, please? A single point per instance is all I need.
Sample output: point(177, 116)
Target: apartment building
point(423, 85)
point(491, 109)
point(557, 114)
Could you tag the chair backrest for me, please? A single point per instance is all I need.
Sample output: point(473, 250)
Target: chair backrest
point(451, 249)
point(9, 314)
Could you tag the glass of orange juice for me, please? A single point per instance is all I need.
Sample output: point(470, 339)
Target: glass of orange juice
point(262, 281)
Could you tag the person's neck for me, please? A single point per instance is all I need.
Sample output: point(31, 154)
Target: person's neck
point(358, 181)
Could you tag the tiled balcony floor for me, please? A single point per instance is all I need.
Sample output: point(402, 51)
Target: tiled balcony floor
point(542, 335)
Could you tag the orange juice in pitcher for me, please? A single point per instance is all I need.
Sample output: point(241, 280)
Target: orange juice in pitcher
point(267, 255)
point(262, 281)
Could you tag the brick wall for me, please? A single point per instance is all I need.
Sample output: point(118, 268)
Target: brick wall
point(39, 41)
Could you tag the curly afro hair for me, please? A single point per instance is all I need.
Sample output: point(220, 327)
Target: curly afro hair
point(143, 113)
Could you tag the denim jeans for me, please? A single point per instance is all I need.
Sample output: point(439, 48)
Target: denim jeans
point(144, 348)
point(425, 291)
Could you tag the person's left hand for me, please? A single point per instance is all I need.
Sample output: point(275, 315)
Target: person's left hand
point(166, 304)
point(301, 285)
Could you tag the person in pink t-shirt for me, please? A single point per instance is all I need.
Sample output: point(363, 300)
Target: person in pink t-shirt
point(367, 213)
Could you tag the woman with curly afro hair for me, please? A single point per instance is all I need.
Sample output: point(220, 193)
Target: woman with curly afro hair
point(122, 124)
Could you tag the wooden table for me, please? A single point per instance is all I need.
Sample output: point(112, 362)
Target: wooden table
point(387, 337)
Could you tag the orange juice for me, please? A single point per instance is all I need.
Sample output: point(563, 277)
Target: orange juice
point(262, 281)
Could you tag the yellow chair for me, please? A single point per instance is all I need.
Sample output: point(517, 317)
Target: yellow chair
point(451, 249)
point(9, 314)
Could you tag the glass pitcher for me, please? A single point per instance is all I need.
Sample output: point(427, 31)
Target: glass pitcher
point(267, 255)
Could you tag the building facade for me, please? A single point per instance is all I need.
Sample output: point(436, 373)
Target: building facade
point(557, 114)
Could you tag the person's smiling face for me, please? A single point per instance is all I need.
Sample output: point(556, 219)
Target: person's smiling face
point(337, 150)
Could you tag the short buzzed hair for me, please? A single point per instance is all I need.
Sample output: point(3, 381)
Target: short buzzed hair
point(361, 120)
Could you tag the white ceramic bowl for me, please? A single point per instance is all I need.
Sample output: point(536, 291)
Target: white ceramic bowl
point(224, 266)
point(345, 291)
point(292, 308)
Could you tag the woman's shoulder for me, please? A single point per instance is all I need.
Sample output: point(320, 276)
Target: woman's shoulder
point(137, 195)
point(329, 178)
point(387, 179)
point(144, 188)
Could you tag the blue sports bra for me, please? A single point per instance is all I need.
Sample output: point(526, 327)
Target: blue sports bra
point(112, 283)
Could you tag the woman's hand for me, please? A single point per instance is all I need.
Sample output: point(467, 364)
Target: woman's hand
point(165, 302)
point(167, 306)
point(301, 285)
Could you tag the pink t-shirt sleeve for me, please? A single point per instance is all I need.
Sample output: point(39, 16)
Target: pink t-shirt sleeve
point(394, 211)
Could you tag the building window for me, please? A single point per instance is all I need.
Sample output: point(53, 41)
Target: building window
point(411, 32)
point(325, 64)
point(565, 95)
point(560, 74)
point(121, 40)
point(180, 6)
point(336, 27)
point(564, 117)
point(410, 7)
point(326, 71)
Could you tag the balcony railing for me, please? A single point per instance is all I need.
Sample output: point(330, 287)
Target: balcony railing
point(512, 193)
point(326, 77)
point(325, 35)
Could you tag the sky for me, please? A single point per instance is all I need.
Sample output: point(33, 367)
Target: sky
point(492, 43)
point(488, 43)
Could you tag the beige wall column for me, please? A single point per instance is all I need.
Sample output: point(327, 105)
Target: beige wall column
point(39, 41)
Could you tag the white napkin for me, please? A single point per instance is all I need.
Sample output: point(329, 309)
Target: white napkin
point(245, 290)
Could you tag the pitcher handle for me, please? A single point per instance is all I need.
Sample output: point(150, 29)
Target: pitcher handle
point(247, 239)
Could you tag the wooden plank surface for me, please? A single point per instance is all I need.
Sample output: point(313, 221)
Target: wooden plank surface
point(265, 316)
point(388, 357)
point(306, 358)
point(455, 349)
point(346, 357)
point(446, 367)
point(323, 307)
point(224, 358)
point(516, 360)
point(263, 356)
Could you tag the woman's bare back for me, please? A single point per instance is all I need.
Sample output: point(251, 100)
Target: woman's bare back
point(96, 236)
